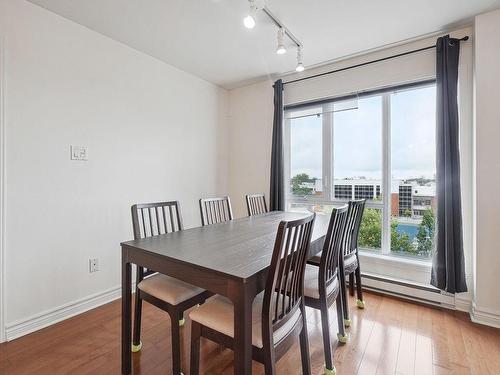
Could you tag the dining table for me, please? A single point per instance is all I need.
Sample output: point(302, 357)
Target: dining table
point(230, 259)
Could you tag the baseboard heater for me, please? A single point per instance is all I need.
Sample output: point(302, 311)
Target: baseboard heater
point(420, 293)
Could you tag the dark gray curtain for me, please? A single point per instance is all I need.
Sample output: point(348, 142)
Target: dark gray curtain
point(277, 193)
point(448, 271)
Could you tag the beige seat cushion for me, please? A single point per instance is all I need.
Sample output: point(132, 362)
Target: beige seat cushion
point(311, 282)
point(350, 262)
point(168, 289)
point(218, 313)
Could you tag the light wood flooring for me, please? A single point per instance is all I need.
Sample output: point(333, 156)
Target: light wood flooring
point(389, 337)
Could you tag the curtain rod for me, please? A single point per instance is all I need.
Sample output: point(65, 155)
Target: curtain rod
point(465, 38)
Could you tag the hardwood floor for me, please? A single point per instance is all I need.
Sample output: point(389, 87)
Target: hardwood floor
point(388, 337)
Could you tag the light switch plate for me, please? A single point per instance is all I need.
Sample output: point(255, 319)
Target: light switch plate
point(79, 152)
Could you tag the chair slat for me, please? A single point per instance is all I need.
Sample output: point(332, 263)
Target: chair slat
point(143, 224)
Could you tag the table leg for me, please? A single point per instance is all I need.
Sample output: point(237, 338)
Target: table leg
point(243, 332)
point(126, 317)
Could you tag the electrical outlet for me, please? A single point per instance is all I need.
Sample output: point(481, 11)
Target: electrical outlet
point(93, 265)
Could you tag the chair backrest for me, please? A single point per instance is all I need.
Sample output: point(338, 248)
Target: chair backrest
point(354, 216)
point(215, 210)
point(256, 204)
point(332, 248)
point(284, 292)
point(153, 219)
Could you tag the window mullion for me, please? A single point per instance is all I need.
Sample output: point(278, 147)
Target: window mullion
point(327, 152)
point(386, 173)
point(287, 159)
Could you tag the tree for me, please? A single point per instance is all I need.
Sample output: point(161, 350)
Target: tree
point(298, 180)
point(425, 235)
point(370, 230)
point(407, 213)
point(400, 241)
point(370, 233)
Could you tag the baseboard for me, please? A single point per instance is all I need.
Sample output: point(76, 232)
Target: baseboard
point(485, 316)
point(405, 290)
point(463, 302)
point(36, 322)
point(421, 293)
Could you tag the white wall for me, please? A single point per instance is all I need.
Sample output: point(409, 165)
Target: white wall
point(250, 134)
point(154, 133)
point(487, 133)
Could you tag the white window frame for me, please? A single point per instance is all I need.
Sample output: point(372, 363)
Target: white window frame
point(328, 164)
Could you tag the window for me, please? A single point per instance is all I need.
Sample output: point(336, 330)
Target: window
point(379, 147)
point(306, 156)
point(413, 169)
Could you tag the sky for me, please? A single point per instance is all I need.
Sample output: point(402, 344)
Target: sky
point(357, 145)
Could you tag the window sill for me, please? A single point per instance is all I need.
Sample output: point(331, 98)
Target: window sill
point(421, 263)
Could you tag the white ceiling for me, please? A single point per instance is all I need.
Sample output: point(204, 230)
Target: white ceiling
point(207, 37)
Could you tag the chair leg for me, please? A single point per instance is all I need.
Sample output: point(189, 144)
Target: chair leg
point(360, 302)
point(327, 342)
point(176, 342)
point(136, 341)
point(341, 336)
point(195, 348)
point(304, 347)
point(345, 301)
point(351, 283)
point(269, 366)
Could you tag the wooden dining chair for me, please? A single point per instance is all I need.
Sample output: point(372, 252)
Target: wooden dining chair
point(278, 313)
point(350, 261)
point(322, 284)
point(167, 293)
point(215, 210)
point(256, 204)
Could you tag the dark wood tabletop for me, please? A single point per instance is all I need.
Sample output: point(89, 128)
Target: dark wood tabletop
point(238, 248)
point(230, 259)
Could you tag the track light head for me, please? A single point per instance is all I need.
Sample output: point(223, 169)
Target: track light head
point(249, 20)
point(300, 66)
point(280, 50)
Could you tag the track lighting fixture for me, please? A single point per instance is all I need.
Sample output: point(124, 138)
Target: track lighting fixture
point(300, 66)
point(249, 21)
point(280, 50)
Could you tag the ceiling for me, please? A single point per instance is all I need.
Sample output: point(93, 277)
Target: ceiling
point(207, 37)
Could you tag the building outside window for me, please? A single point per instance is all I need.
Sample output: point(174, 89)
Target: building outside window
point(343, 192)
point(404, 200)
